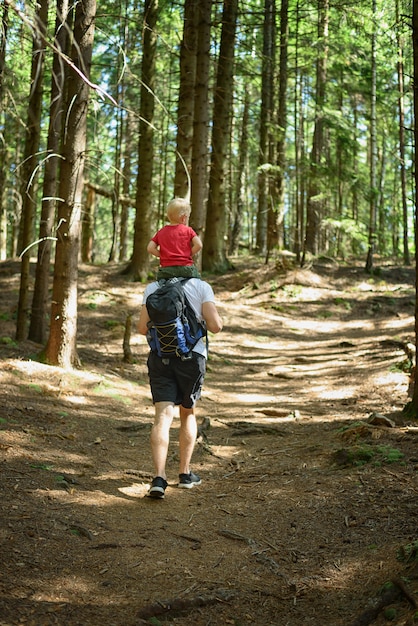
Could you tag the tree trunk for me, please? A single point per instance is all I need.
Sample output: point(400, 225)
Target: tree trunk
point(267, 72)
point(38, 329)
point(214, 252)
point(3, 151)
point(315, 198)
point(401, 112)
point(128, 150)
point(275, 234)
point(185, 109)
point(87, 226)
point(271, 235)
point(236, 225)
point(138, 268)
point(29, 167)
point(414, 401)
point(201, 120)
point(61, 347)
point(373, 153)
point(298, 118)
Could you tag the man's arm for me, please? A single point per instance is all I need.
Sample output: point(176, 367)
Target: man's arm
point(211, 316)
point(143, 320)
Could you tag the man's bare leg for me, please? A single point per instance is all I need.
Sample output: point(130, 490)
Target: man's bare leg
point(160, 436)
point(187, 438)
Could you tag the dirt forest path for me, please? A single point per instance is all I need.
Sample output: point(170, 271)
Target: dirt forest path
point(307, 513)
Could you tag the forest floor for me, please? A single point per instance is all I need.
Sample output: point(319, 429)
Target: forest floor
point(308, 508)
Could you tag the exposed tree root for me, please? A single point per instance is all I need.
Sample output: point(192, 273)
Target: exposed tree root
point(181, 605)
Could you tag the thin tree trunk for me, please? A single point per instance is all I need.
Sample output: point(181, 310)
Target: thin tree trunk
point(128, 139)
point(201, 120)
point(236, 226)
point(61, 347)
point(380, 198)
point(38, 329)
point(401, 111)
point(188, 50)
point(214, 252)
point(3, 152)
point(29, 167)
point(315, 199)
point(138, 268)
point(265, 122)
point(87, 226)
point(373, 154)
point(299, 149)
point(126, 188)
point(414, 401)
point(275, 235)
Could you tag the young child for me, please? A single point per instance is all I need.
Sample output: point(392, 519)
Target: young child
point(176, 243)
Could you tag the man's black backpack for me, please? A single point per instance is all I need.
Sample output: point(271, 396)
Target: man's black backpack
point(173, 329)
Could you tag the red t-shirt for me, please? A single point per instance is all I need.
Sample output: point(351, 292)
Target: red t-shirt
point(175, 243)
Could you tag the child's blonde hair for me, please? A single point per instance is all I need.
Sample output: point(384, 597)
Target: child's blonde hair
point(178, 207)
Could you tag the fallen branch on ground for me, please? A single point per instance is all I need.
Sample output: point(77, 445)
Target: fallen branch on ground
point(180, 605)
point(250, 428)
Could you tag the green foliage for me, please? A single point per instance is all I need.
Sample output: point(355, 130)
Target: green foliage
point(42, 466)
point(408, 553)
point(359, 455)
point(33, 387)
point(8, 341)
point(344, 303)
point(110, 324)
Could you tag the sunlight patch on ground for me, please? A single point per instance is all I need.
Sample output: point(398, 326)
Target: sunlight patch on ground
point(136, 490)
point(398, 323)
point(335, 394)
point(326, 326)
point(76, 399)
point(253, 398)
point(391, 378)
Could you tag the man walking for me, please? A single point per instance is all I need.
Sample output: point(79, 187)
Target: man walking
point(176, 381)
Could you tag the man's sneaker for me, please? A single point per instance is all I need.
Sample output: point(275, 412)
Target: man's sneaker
point(158, 487)
point(187, 481)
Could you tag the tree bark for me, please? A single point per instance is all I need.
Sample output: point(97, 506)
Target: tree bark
point(184, 140)
point(275, 232)
point(87, 226)
point(315, 196)
point(38, 328)
point(214, 252)
point(138, 267)
point(414, 401)
point(401, 113)
point(29, 167)
point(3, 151)
point(267, 73)
point(201, 120)
point(130, 131)
point(373, 154)
point(61, 347)
point(236, 222)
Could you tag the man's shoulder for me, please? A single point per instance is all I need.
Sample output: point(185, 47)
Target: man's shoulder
point(198, 286)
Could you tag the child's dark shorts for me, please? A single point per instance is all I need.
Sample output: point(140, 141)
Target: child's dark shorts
point(176, 380)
